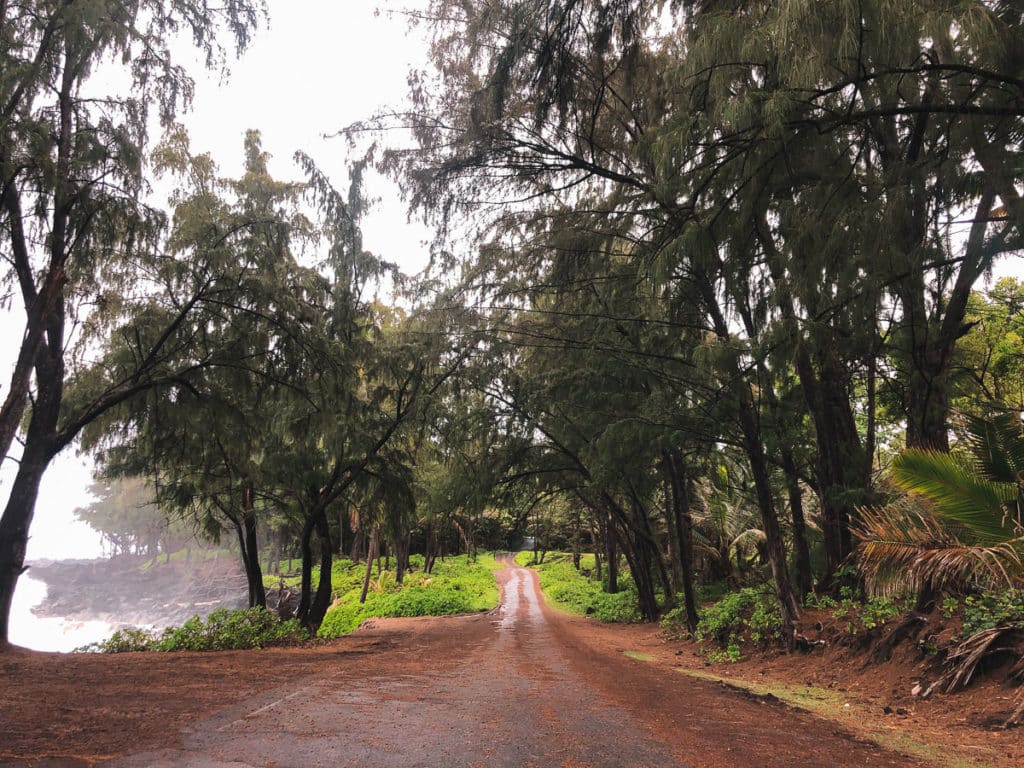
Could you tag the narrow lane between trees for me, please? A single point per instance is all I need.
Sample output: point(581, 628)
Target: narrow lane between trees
point(522, 686)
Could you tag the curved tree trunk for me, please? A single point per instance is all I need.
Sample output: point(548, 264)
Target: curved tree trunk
point(40, 448)
point(14, 526)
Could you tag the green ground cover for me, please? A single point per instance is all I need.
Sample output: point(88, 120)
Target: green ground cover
point(455, 586)
point(580, 591)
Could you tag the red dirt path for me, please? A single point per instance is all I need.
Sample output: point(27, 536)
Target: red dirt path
point(525, 686)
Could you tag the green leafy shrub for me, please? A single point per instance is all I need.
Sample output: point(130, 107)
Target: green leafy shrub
point(950, 605)
point(455, 586)
point(993, 609)
point(749, 615)
point(673, 624)
point(222, 630)
point(875, 612)
point(731, 654)
point(122, 641)
point(225, 630)
point(860, 615)
point(579, 592)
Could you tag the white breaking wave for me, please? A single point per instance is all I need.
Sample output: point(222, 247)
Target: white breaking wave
point(46, 633)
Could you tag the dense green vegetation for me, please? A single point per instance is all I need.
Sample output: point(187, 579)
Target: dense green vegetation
point(222, 630)
point(709, 302)
point(579, 590)
point(454, 586)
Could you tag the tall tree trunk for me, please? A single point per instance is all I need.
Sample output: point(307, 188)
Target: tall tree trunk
point(431, 546)
point(681, 512)
point(637, 555)
point(343, 513)
point(402, 546)
point(753, 446)
point(672, 550)
point(841, 479)
point(322, 599)
point(14, 526)
point(931, 331)
point(596, 546)
point(370, 555)
point(245, 527)
point(40, 448)
point(647, 544)
point(250, 544)
point(611, 556)
point(358, 545)
point(576, 546)
point(306, 578)
point(825, 382)
point(801, 551)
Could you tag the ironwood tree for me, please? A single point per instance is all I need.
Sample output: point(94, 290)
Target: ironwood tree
point(77, 235)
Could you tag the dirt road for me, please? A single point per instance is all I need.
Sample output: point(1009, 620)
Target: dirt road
point(524, 686)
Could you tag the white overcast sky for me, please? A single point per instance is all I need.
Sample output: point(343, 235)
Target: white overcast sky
point(318, 66)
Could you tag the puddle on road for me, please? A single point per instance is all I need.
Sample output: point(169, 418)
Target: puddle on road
point(519, 589)
point(510, 604)
point(532, 601)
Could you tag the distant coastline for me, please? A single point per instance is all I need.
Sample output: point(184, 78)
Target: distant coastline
point(61, 605)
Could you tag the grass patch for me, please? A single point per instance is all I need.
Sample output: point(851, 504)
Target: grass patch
point(455, 586)
point(845, 710)
point(579, 591)
point(638, 656)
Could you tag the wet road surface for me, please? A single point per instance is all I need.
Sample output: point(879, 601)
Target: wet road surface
point(513, 688)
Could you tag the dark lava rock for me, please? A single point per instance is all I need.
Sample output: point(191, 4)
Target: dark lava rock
point(123, 592)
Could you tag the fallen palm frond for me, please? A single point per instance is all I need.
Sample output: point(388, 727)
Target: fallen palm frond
point(966, 655)
point(964, 658)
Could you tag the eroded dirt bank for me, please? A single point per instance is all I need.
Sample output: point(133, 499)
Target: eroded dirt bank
point(522, 687)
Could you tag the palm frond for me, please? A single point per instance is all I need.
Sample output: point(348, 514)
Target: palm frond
point(968, 654)
point(974, 507)
point(998, 446)
point(905, 548)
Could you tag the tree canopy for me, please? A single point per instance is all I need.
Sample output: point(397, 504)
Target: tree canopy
point(702, 270)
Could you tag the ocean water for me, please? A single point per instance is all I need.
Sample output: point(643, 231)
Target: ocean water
point(46, 633)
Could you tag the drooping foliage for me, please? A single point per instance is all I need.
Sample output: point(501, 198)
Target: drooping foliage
point(77, 236)
point(742, 225)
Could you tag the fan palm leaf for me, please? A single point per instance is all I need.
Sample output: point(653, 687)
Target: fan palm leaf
point(997, 446)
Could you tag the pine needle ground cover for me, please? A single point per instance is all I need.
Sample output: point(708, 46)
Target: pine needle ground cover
point(454, 586)
point(581, 592)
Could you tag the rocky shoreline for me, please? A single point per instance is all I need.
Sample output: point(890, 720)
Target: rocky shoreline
point(124, 591)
